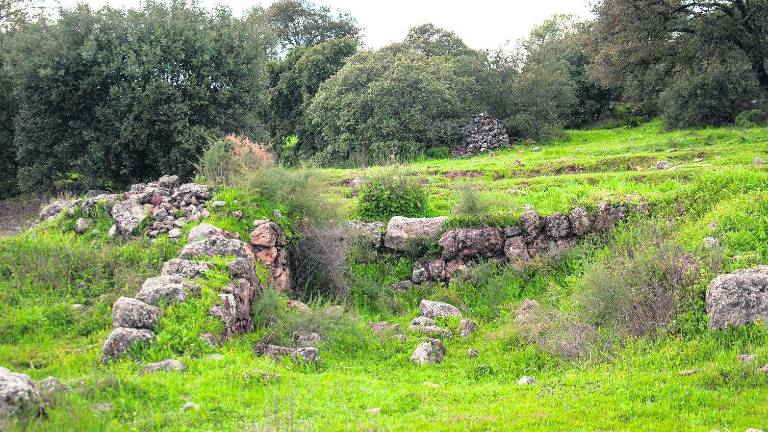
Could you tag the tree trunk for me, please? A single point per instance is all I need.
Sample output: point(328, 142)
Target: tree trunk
point(758, 66)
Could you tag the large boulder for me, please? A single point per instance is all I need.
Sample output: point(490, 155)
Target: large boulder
point(471, 243)
point(738, 298)
point(215, 246)
point(430, 352)
point(557, 226)
point(128, 312)
point(18, 395)
point(404, 233)
point(168, 289)
point(122, 339)
point(436, 309)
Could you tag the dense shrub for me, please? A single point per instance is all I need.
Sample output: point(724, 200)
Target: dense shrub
point(388, 194)
point(228, 159)
point(318, 262)
point(639, 286)
point(385, 96)
point(121, 96)
point(710, 98)
point(751, 118)
point(470, 204)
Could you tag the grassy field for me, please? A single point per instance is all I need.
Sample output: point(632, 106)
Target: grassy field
point(685, 377)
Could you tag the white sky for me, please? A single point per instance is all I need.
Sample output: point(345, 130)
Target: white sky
point(481, 23)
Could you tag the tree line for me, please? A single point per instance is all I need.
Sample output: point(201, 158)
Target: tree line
point(101, 98)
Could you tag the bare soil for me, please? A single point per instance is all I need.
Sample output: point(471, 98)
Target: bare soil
point(18, 213)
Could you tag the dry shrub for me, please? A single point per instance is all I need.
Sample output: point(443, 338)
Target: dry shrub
point(639, 287)
point(555, 332)
point(318, 262)
point(250, 154)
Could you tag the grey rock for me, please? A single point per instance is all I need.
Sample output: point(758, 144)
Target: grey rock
point(50, 387)
point(168, 289)
point(216, 356)
point(308, 339)
point(436, 309)
point(516, 250)
point(382, 327)
point(168, 182)
point(56, 208)
point(215, 246)
point(112, 233)
point(186, 268)
point(513, 231)
point(472, 243)
point(711, 242)
point(430, 352)
point(472, 353)
point(608, 215)
point(210, 339)
point(103, 407)
point(758, 161)
point(532, 224)
point(122, 339)
point(128, 215)
point(467, 328)
point(371, 232)
point(738, 298)
point(132, 313)
point(557, 226)
point(482, 134)
point(174, 233)
point(747, 358)
point(526, 380)
point(306, 354)
point(18, 395)
point(190, 406)
point(431, 331)
point(204, 231)
point(419, 274)
point(663, 165)
point(165, 366)
point(581, 223)
point(404, 233)
point(81, 226)
point(422, 321)
point(402, 285)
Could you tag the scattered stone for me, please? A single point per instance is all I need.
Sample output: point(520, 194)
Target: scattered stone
point(306, 354)
point(174, 233)
point(56, 208)
point(526, 380)
point(472, 353)
point(382, 327)
point(103, 407)
point(122, 339)
point(557, 226)
point(372, 232)
point(764, 369)
point(190, 406)
point(50, 387)
point(217, 204)
point(747, 358)
point(77, 307)
point(430, 352)
point(167, 289)
point(216, 356)
point(580, 221)
point(663, 165)
point(165, 366)
point(431, 331)
point(755, 430)
point(404, 233)
point(402, 285)
point(422, 321)
point(310, 339)
point(738, 298)
point(436, 309)
point(18, 395)
point(420, 274)
point(132, 313)
point(468, 328)
point(758, 161)
point(234, 309)
point(203, 232)
point(185, 268)
point(688, 372)
point(112, 233)
point(373, 411)
point(128, 215)
point(81, 226)
point(297, 306)
point(210, 339)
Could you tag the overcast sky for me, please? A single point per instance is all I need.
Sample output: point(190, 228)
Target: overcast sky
point(481, 23)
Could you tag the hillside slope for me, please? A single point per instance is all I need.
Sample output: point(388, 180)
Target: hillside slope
point(57, 288)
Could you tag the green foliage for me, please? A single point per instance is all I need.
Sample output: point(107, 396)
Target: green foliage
point(711, 97)
point(389, 194)
point(418, 99)
point(751, 118)
point(470, 203)
point(94, 86)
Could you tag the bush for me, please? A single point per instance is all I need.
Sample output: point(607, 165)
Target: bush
point(383, 96)
point(384, 153)
point(125, 95)
point(712, 97)
point(640, 285)
point(470, 204)
point(318, 262)
point(751, 118)
point(387, 194)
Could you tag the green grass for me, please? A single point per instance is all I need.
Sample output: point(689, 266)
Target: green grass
point(687, 378)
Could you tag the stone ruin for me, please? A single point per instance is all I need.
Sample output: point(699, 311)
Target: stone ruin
point(535, 237)
point(482, 134)
point(165, 203)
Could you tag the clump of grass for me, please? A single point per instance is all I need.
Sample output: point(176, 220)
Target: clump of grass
point(470, 203)
point(227, 159)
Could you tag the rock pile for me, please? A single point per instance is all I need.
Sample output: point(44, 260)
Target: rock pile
point(535, 236)
point(482, 134)
point(269, 245)
point(164, 203)
point(134, 319)
point(20, 396)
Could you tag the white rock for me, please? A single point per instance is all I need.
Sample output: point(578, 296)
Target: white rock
point(526, 380)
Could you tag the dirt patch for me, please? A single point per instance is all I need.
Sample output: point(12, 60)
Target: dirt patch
point(463, 174)
point(18, 214)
